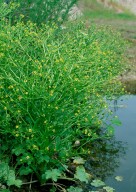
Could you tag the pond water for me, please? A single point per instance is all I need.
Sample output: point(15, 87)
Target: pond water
point(125, 108)
point(116, 156)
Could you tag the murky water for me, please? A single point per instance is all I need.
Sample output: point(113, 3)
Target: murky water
point(126, 133)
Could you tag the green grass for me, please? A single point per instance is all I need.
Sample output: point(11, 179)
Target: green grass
point(93, 9)
point(125, 23)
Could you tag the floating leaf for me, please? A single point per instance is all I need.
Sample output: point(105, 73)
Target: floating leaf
point(108, 189)
point(78, 161)
point(74, 189)
point(81, 174)
point(94, 191)
point(119, 178)
point(110, 130)
point(53, 174)
point(97, 183)
point(116, 121)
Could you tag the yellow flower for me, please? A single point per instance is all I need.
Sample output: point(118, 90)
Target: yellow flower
point(17, 126)
point(45, 122)
point(35, 147)
point(30, 130)
point(27, 157)
point(86, 119)
point(21, 15)
point(10, 87)
point(47, 148)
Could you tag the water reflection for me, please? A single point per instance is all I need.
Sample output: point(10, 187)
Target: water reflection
point(105, 157)
point(126, 133)
point(109, 155)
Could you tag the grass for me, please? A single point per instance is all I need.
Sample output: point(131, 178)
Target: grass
point(121, 20)
point(95, 10)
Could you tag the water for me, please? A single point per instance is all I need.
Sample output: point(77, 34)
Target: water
point(126, 133)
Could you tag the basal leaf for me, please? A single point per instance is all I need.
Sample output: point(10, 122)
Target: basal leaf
point(97, 183)
point(78, 161)
point(74, 189)
point(53, 174)
point(108, 189)
point(18, 183)
point(81, 174)
point(25, 170)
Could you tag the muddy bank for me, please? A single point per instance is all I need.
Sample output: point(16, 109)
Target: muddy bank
point(129, 81)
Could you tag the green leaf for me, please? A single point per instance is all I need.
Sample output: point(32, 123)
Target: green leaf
point(11, 175)
point(12, 180)
point(116, 121)
point(53, 174)
point(44, 158)
point(94, 191)
point(74, 189)
point(97, 183)
point(81, 174)
point(119, 178)
point(78, 161)
point(110, 130)
point(108, 189)
point(18, 151)
point(25, 170)
point(18, 183)
point(4, 169)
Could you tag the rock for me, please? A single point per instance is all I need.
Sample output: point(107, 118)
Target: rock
point(75, 12)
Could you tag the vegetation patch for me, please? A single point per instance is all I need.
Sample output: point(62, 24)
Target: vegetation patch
point(54, 86)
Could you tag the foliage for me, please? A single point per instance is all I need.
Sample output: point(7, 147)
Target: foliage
point(43, 11)
point(108, 189)
point(53, 84)
point(6, 9)
point(74, 189)
point(97, 183)
point(53, 174)
point(78, 161)
point(119, 178)
point(7, 175)
point(81, 174)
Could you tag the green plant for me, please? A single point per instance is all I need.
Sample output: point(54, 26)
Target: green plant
point(43, 11)
point(7, 175)
point(53, 84)
point(6, 9)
